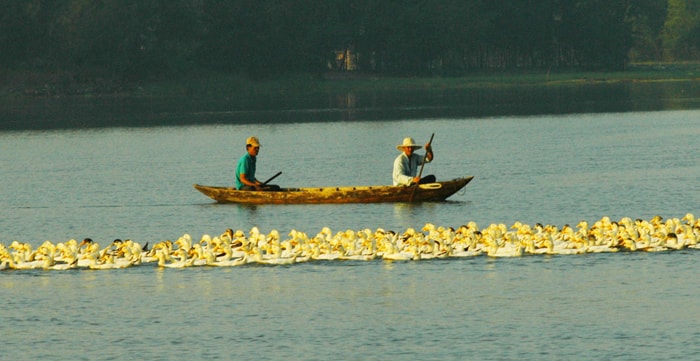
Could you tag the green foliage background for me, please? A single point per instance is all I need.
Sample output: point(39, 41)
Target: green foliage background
point(124, 41)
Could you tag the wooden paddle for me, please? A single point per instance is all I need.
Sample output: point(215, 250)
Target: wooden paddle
point(271, 178)
point(425, 157)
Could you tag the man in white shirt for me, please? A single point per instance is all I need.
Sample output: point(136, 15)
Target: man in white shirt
point(407, 163)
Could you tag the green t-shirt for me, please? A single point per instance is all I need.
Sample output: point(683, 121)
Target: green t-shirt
point(246, 165)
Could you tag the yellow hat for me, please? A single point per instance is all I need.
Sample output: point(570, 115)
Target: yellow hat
point(252, 141)
point(408, 142)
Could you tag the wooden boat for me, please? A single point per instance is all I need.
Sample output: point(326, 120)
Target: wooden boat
point(432, 192)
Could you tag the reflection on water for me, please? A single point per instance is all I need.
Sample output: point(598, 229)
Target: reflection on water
point(405, 213)
point(247, 210)
point(60, 113)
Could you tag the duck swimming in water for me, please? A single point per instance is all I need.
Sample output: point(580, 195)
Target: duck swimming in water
point(429, 242)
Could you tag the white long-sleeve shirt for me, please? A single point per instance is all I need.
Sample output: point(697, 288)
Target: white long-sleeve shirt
point(406, 169)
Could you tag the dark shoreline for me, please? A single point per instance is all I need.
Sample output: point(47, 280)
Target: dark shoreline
point(231, 85)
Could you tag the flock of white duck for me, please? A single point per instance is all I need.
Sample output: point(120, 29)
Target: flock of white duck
point(236, 248)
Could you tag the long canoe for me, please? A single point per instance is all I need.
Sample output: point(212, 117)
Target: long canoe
point(432, 192)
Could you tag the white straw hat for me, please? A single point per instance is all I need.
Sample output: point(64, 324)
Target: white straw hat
point(408, 142)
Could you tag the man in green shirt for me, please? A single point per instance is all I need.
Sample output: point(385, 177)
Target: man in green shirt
point(245, 169)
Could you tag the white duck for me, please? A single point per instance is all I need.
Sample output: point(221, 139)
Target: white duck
point(51, 264)
point(181, 254)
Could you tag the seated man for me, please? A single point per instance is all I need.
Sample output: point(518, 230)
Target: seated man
point(245, 169)
point(407, 163)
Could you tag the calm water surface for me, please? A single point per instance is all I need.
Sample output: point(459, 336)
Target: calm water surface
point(136, 182)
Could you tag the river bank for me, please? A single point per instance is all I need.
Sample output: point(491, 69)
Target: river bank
point(64, 84)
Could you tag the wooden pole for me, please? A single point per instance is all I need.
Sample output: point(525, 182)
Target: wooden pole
point(271, 178)
point(425, 157)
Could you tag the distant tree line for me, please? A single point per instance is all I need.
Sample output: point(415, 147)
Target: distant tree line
point(145, 39)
